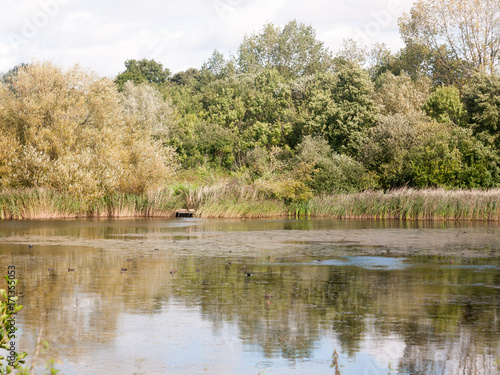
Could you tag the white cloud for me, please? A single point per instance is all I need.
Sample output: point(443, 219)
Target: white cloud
point(101, 35)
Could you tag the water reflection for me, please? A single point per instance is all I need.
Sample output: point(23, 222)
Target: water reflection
point(408, 297)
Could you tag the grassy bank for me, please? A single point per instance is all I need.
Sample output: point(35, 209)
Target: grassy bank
point(235, 201)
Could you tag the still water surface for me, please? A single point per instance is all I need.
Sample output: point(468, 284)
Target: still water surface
point(258, 297)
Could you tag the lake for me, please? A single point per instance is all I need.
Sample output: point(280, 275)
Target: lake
point(257, 296)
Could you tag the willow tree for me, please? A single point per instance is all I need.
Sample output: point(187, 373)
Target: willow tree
point(67, 131)
point(467, 30)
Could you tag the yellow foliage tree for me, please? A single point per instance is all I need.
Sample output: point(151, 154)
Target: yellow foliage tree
point(66, 130)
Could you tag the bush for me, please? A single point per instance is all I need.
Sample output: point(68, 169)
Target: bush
point(404, 151)
point(332, 172)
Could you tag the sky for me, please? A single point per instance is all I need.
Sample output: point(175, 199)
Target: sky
point(100, 35)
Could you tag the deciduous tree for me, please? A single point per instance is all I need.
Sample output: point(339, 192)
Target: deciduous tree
point(469, 30)
point(292, 50)
point(143, 71)
point(67, 131)
point(482, 100)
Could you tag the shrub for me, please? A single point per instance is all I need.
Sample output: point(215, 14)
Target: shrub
point(332, 172)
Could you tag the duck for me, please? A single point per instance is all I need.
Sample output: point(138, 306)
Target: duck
point(123, 270)
point(30, 246)
point(71, 270)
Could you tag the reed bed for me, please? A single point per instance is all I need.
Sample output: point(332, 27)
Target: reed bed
point(231, 200)
point(410, 204)
point(43, 204)
point(234, 201)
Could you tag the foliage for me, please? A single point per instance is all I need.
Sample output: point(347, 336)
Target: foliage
point(283, 116)
point(406, 151)
point(332, 172)
point(353, 52)
point(400, 94)
point(469, 30)
point(290, 188)
point(6, 77)
point(274, 173)
point(292, 50)
point(143, 71)
point(420, 61)
point(186, 77)
point(144, 106)
point(215, 144)
point(482, 101)
point(67, 131)
point(338, 106)
point(149, 121)
point(445, 105)
point(8, 310)
point(217, 67)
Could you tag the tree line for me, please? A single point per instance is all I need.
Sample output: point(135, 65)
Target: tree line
point(284, 113)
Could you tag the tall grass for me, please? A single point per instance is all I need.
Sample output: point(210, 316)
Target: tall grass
point(232, 200)
point(46, 204)
point(411, 204)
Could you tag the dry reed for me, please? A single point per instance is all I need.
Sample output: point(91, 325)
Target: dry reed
point(231, 200)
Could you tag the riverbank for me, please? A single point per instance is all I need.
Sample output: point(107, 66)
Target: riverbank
point(236, 201)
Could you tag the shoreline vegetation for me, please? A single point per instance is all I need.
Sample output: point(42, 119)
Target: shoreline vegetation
point(235, 201)
point(282, 128)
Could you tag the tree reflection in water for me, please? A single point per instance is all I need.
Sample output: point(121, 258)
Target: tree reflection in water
point(424, 315)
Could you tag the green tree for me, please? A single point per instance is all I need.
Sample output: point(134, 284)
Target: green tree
point(187, 77)
point(258, 107)
point(445, 105)
point(353, 52)
point(211, 144)
point(292, 50)
point(143, 71)
point(406, 151)
point(269, 110)
point(482, 101)
point(420, 61)
point(217, 67)
point(338, 106)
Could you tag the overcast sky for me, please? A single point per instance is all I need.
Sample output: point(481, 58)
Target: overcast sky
point(101, 34)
